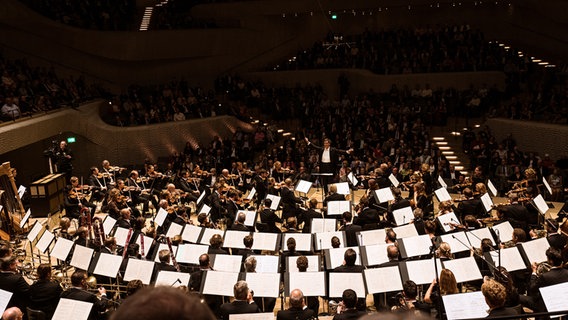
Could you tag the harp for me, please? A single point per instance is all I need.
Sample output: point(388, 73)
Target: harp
point(12, 207)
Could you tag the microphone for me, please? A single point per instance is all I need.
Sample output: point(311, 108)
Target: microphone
point(177, 281)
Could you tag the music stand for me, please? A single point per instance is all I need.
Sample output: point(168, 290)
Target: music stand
point(319, 184)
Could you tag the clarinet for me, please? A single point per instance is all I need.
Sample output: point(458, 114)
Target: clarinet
point(169, 241)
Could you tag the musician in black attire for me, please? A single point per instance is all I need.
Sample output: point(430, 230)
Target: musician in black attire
point(268, 217)
point(63, 158)
point(288, 200)
point(261, 186)
point(310, 214)
point(328, 160)
point(78, 291)
point(398, 203)
point(195, 283)
point(350, 229)
point(44, 293)
point(12, 281)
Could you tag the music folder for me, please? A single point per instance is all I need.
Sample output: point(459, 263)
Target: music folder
point(250, 217)
point(394, 180)
point(108, 224)
point(491, 187)
point(45, 241)
point(24, 219)
point(534, 250)
point(403, 216)
point(219, 283)
point(208, 233)
point(263, 284)
point(62, 248)
point(191, 233)
point(226, 262)
point(414, 246)
point(555, 297)
point(340, 281)
point(303, 186)
point(34, 232)
point(540, 204)
point(81, 257)
point(352, 179)
point(448, 221)
point(267, 263)
point(343, 188)
point(383, 195)
point(371, 237)
point(405, 231)
point(336, 208)
point(323, 225)
point(465, 305)
point(5, 297)
point(511, 259)
point(160, 217)
point(323, 239)
point(314, 263)
point(503, 231)
point(374, 255)
point(266, 241)
point(379, 280)
point(419, 271)
point(464, 269)
point(487, 202)
point(234, 239)
point(458, 241)
point(275, 201)
point(442, 194)
point(139, 269)
point(312, 284)
point(189, 252)
point(334, 257)
point(303, 241)
point(172, 279)
point(69, 309)
point(106, 264)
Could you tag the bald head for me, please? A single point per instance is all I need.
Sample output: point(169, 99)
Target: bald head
point(297, 298)
point(12, 313)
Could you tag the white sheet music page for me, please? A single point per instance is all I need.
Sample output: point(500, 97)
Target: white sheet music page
point(313, 264)
point(227, 263)
point(139, 269)
point(234, 239)
point(492, 188)
point(352, 179)
point(405, 231)
point(504, 231)
point(403, 216)
point(448, 221)
point(191, 233)
point(251, 193)
point(160, 216)
point(442, 194)
point(267, 264)
point(555, 297)
point(21, 191)
point(68, 309)
point(323, 225)
point(81, 257)
point(487, 202)
point(457, 241)
point(547, 185)
point(121, 234)
point(5, 297)
point(442, 182)
point(264, 241)
point(201, 197)
point(417, 246)
point(275, 201)
point(170, 279)
point(465, 305)
point(376, 254)
point(220, 283)
point(464, 269)
point(25, 218)
point(384, 195)
point(336, 256)
point(45, 240)
point(189, 252)
point(108, 224)
point(536, 249)
point(264, 284)
point(340, 281)
point(343, 188)
point(511, 259)
point(383, 279)
point(36, 229)
point(164, 246)
point(394, 180)
point(205, 209)
point(423, 271)
point(540, 204)
point(208, 233)
point(303, 241)
point(250, 217)
point(475, 236)
point(61, 248)
point(336, 208)
point(371, 237)
point(323, 239)
point(303, 186)
point(312, 284)
point(174, 230)
point(108, 265)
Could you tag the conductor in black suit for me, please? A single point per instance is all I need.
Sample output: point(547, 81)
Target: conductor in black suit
point(243, 302)
point(78, 291)
point(298, 309)
point(328, 160)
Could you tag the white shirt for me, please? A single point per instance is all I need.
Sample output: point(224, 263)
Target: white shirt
point(325, 157)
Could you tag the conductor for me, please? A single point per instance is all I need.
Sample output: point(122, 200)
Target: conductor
point(328, 160)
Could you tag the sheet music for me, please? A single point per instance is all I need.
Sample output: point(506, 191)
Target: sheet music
point(323, 225)
point(504, 231)
point(208, 233)
point(458, 241)
point(164, 246)
point(416, 246)
point(511, 259)
point(267, 264)
point(191, 233)
point(352, 179)
point(343, 188)
point(189, 252)
point(170, 279)
point(227, 263)
point(555, 297)
point(442, 194)
point(383, 279)
point(303, 241)
point(264, 284)
point(536, 249)
point(234, 239)
point(540, 204)
point(371, 237)
point(323, 240)
point(147, 242)
point(174, 230)
point(139, 269)
point(5, 297)
point(336, 255)
point(340, 281)
point(69, 309)
point(384, 195)
point(21, 191)
point(491, 187)
point(265, 241)
point(403, 216)
point(338, 207)
point(448, 221)
point(465, 305)
point(376, 254)
point(250, 217)
point(405, 231)
point(45, 240)
point(464, 269)
point(62, 248)
point(304, 186)
point(487, 202)
point(313, 263)
point(252, 316)
point(81, 257)
point(219, 283)
point(251, 193)
point(394, 180)
point(108, 224)
point(275, 201)
point(475, 236)
point(36, 229)
point(312, 284)
point(160, 217)
point(25, 219)
point(547, 185)
point(108, 265)
point(205, 209)
point(121, 234)
point(201, 197)
point(442, 182)
point(422, 271)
